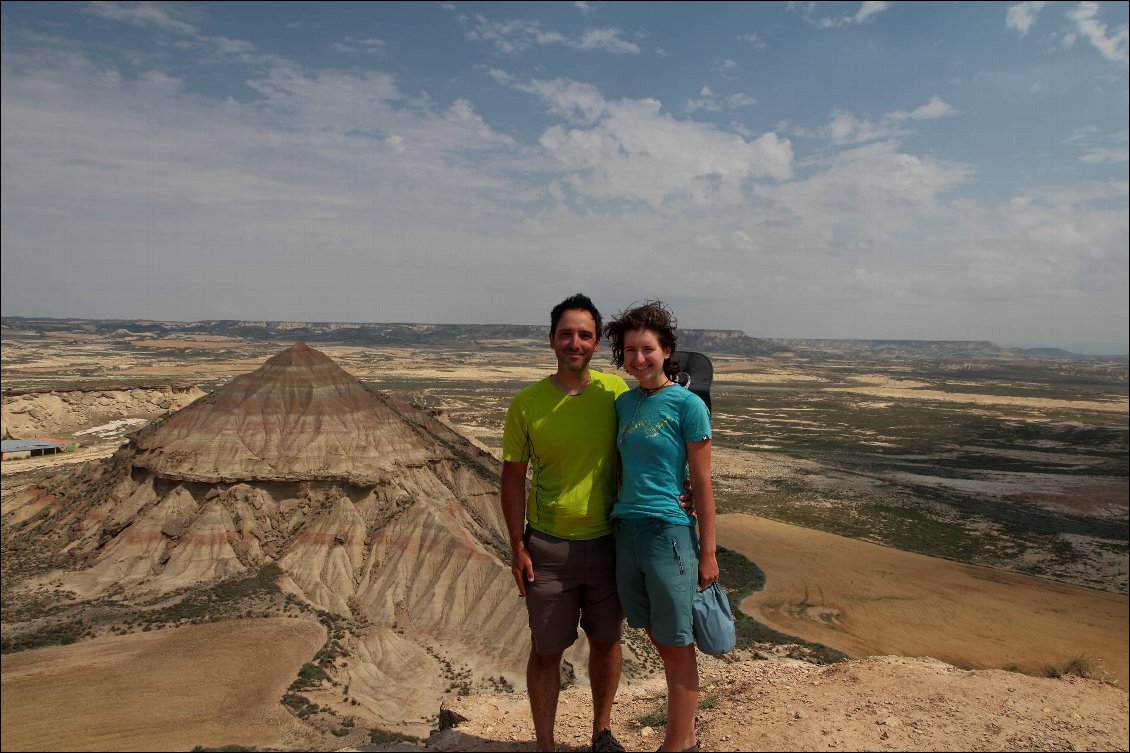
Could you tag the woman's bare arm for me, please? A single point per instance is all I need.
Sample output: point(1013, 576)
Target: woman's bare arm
point(698, 457)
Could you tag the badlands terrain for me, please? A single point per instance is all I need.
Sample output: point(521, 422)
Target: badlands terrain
point(951, 500)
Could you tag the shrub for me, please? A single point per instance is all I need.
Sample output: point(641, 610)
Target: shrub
point(1080, 666)
point(384, 737)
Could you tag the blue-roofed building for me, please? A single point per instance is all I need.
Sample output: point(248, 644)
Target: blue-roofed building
point(13, 449)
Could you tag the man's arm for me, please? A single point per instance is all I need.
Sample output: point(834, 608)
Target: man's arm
point(514, 511)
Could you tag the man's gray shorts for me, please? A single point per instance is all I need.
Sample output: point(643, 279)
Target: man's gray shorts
point(574, 581)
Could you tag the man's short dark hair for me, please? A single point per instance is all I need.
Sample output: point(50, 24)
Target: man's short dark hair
point(576, 302)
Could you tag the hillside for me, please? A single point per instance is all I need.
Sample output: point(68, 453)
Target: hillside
point(296, 480)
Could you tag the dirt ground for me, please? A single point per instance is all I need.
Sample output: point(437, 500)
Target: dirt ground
point(209, 685)
point(904, 389)
point(867, 600)
point(882, 703)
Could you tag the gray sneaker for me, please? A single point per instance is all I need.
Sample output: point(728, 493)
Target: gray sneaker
point(605, 742)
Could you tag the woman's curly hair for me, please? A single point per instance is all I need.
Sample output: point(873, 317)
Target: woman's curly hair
point(652, 316)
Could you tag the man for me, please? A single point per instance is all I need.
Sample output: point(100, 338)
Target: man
point(560, 536)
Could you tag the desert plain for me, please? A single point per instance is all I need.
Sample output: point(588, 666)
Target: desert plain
point(970, 508)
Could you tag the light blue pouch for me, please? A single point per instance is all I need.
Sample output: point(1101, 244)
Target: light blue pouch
point(714, 630)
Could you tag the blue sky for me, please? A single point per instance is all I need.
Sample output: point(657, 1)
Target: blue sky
point(842, 170)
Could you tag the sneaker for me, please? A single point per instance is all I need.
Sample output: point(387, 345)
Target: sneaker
point(605, 742)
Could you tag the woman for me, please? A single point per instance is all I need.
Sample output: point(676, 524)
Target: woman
point(659, 559)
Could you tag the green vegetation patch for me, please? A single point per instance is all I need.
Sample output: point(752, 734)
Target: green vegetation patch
point(60, 634)
point(214, 602)
point(384, 737)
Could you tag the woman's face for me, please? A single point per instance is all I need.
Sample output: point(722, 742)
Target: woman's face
point(643, 357)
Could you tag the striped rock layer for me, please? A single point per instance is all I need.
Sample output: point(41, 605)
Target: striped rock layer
point(298, 417)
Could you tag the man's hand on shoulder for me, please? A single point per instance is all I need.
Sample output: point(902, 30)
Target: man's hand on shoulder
point(686, 500)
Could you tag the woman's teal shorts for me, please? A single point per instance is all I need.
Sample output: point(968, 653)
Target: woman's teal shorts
point(656, 577)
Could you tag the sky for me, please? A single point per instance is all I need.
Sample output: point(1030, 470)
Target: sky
point(876, 170)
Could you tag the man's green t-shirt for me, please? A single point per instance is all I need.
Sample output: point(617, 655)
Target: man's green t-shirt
point(570, 442)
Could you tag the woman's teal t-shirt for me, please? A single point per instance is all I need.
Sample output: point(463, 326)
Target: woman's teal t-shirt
point(652, 435)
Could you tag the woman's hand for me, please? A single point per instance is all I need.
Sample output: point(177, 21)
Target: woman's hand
point(707, 570)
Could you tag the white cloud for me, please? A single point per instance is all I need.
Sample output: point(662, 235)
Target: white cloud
point(605, 39)
point(726, 68)
point(157, 15)
point(1106, 156)
point(1022, 15)
point(1079, 194)
point(744, 237)
point(1082, 134)
point(160, 80)
point(709, 101)
point(353, 46)
point(512, 37)
point(172, 18)
point(756, 41)
point(1067, 232)
point(867, 11)
point(867, 195)
point(1100, 148)
point(583, 7)
point(1112, 46)
point(846, 127)
point(573, 100)
point(934, 109)
point(515, 36)
point(629, 150)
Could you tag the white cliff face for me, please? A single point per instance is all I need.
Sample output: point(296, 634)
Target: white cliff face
point(63, 412)
point(375, 512)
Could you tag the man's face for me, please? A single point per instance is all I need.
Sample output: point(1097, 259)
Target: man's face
point(575, 340)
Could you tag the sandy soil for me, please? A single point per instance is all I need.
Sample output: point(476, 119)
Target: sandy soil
point(883, 703)
point(209, 685)
point(865, 599)
point(879, 386)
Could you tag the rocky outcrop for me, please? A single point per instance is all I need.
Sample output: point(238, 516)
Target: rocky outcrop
point(111, 412)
